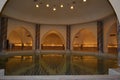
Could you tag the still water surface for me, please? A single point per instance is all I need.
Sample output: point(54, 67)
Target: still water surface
point(57, 64)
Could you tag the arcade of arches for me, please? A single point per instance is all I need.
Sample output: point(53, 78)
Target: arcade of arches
point(83, 37)
point(94, 36)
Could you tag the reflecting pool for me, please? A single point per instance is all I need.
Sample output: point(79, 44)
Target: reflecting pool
point(57, 64)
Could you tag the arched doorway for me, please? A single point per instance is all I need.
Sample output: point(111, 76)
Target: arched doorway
point(112, 39)
point(84, 40)
point(52, 41)
point(20, 39)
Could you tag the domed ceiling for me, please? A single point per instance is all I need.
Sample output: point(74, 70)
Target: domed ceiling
point(82, 12)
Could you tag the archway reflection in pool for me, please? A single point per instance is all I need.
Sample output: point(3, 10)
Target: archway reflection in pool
point(57, 64)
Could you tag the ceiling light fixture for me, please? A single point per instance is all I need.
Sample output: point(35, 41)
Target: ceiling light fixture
point(36, 5)
point(58, 3)
point(84, 0)
point(54, 9)
point(61, 6)
point(72, 7)
point(47, 5)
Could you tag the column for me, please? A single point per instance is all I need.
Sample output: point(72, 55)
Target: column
point(100, 36)
point(68, 46)
point(105, 49)
point(68, 37)
point(37, 36)
point(36, 58)
point(118, 31)
point(3, 33)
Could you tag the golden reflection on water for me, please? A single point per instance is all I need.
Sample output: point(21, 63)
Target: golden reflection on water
point(55, 64)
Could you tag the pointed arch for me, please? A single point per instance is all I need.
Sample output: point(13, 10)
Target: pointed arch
point(52, 40)
point(84, 40)
point(20, 39)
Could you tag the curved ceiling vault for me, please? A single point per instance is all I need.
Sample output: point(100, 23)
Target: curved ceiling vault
point(83, 11)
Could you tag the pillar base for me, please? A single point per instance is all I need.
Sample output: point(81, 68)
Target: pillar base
point(37, 51)
point(68, 51)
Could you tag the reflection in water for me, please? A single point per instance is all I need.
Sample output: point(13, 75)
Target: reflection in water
point(58, 64)
point(84, 65)
point(100, 66)
point(36, 59)
point(68, 64)
point(3, 60)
